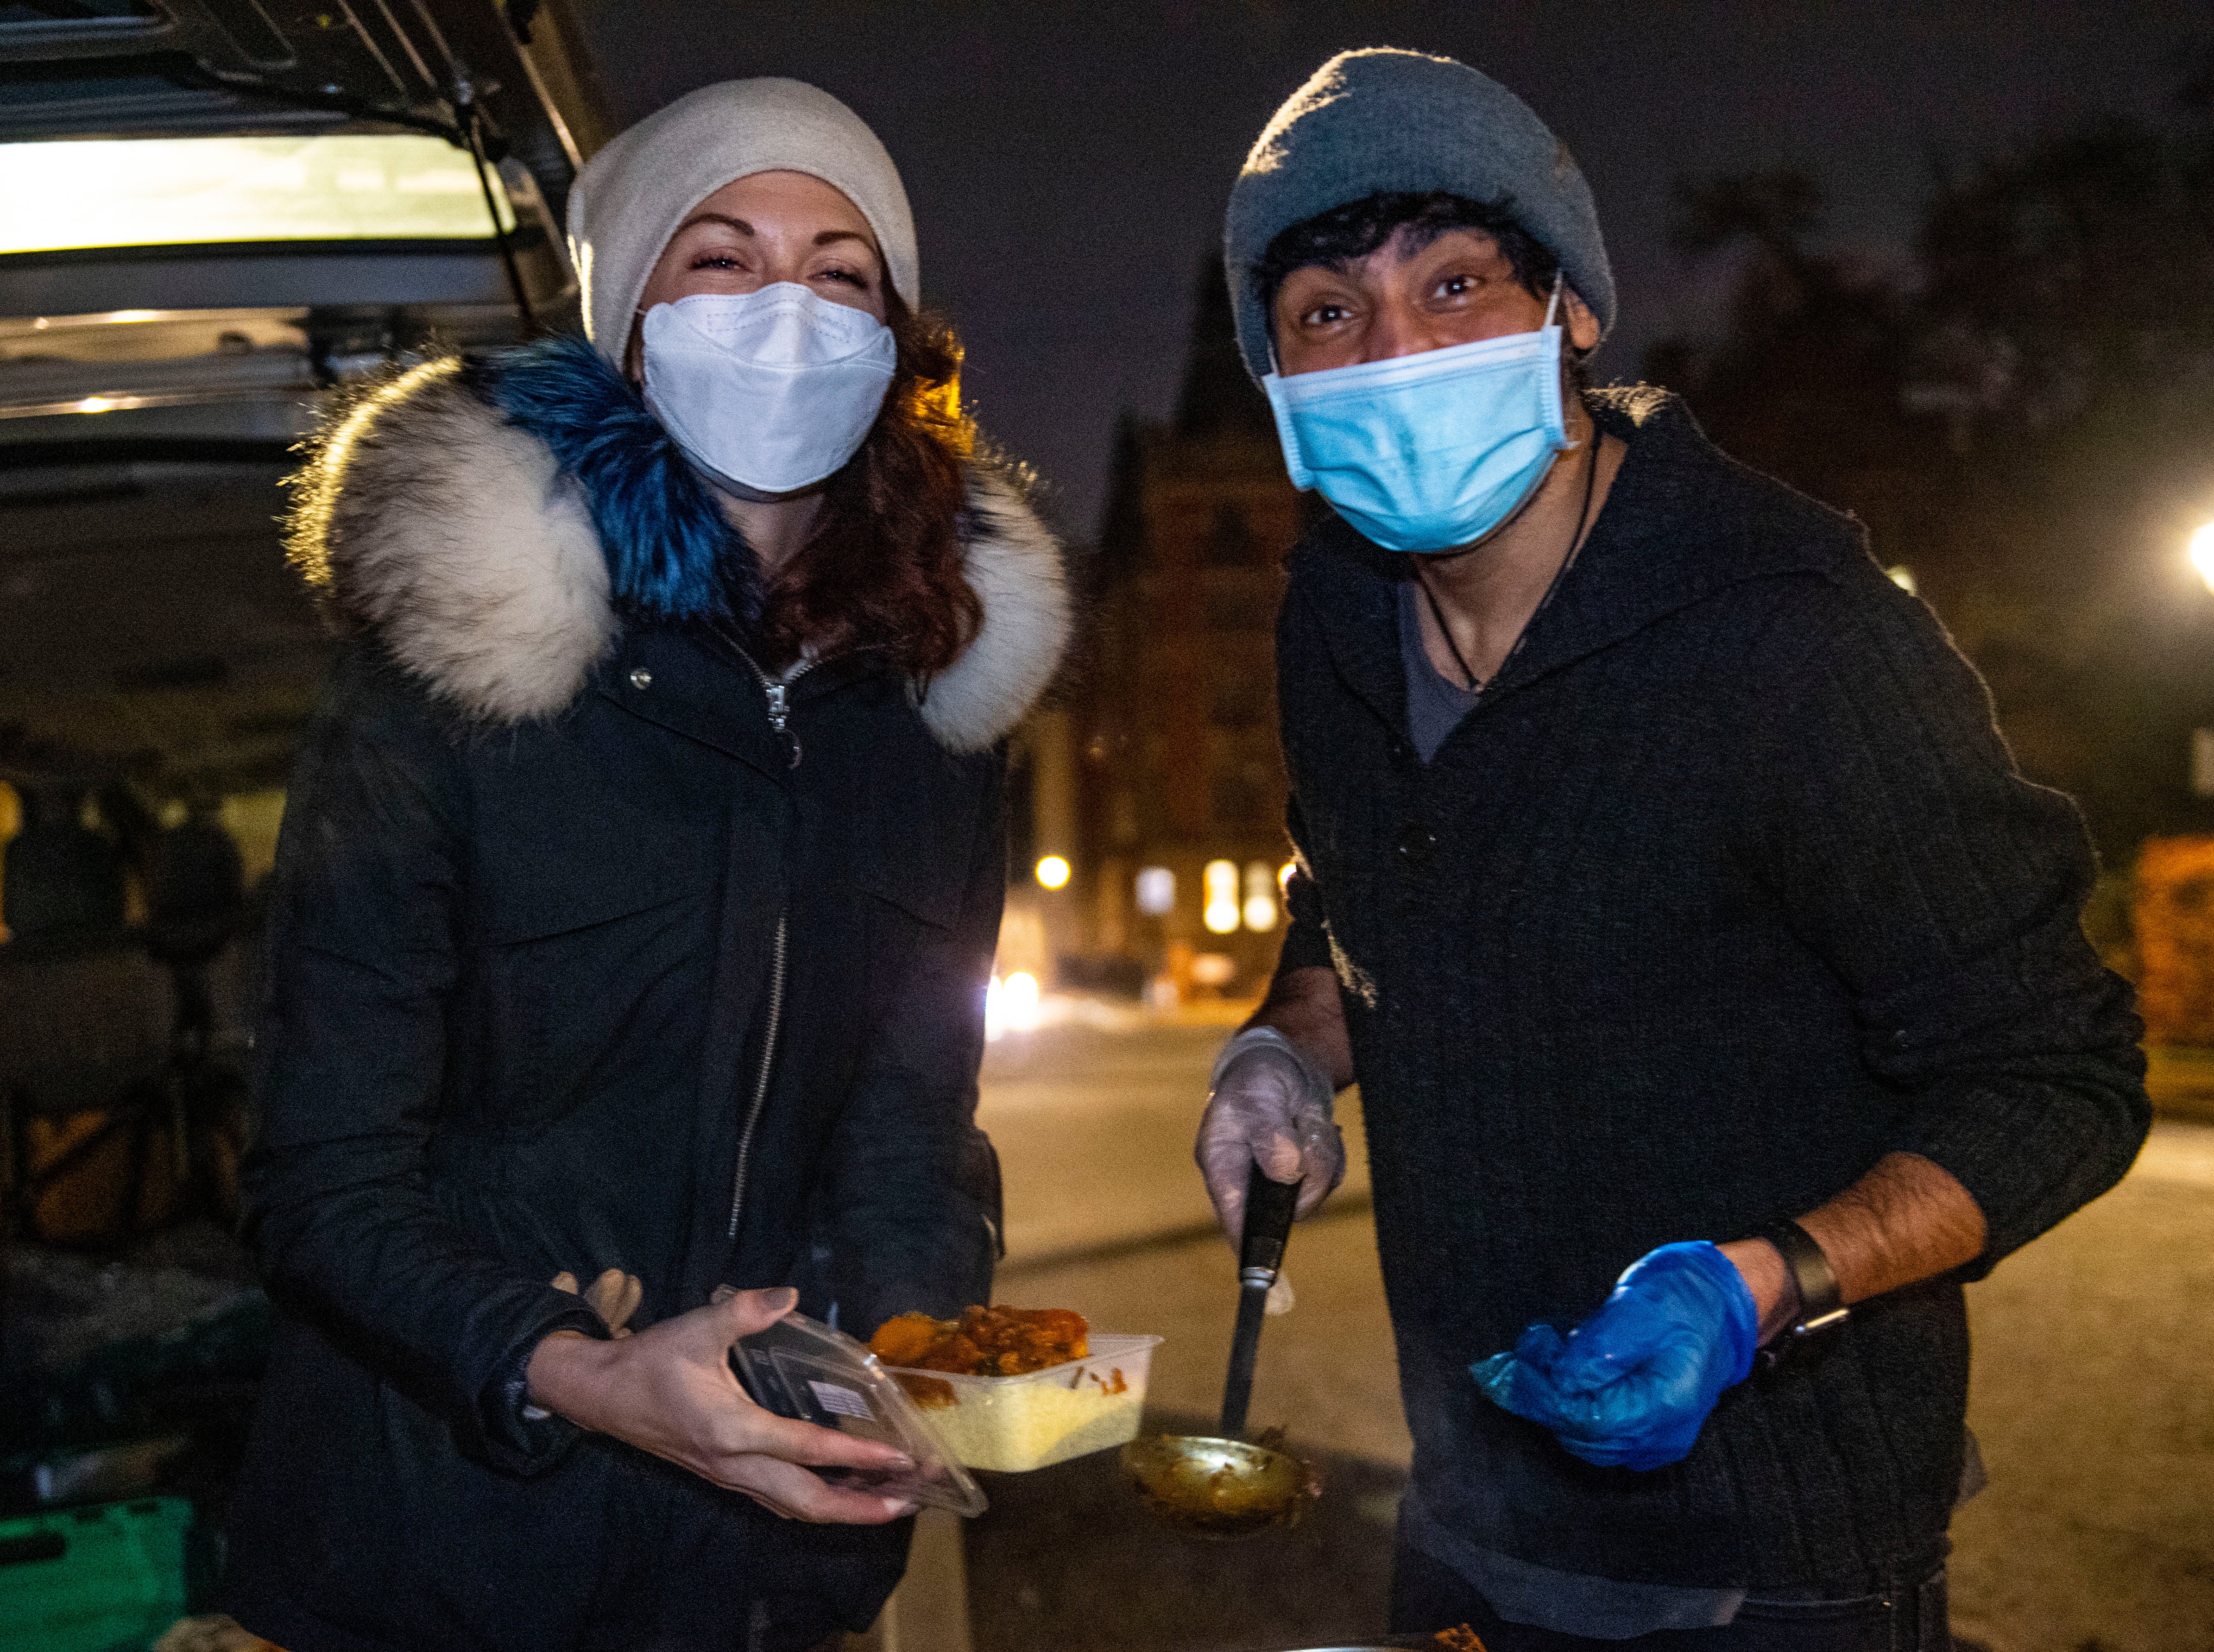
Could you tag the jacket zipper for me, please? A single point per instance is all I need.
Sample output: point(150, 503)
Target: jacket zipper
point(762, 1077)
point(780, 719)
point(779, 716)
point(780, 704)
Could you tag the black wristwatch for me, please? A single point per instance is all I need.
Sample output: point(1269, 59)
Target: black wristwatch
point(1821, 1302)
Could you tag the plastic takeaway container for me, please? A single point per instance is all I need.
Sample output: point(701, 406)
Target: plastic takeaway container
point(1012, 1424)
point(800, 1367)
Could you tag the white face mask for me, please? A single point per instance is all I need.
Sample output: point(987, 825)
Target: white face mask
point(772, 390)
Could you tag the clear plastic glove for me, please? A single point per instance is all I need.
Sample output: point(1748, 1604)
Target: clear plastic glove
point(1267, 1103)
point(1631, 1386)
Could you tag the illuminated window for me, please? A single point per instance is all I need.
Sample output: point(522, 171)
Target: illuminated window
point(1221, 914)
point(1053, 871)
point(1156, 891)
point(164, 191)
point(1260, 898)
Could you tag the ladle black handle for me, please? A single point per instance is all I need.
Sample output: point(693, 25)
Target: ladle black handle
point(1269, 1208)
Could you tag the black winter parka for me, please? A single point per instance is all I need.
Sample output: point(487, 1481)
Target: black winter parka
point(1727, 887)
point(682, 976)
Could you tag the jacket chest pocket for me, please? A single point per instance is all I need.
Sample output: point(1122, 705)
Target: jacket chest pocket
point(913, 883)
point(897, 821)
point(586, 998)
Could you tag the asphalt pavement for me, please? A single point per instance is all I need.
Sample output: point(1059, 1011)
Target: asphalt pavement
point(2091, 1396)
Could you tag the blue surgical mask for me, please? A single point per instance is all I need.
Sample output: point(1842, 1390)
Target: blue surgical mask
point(1428, 452)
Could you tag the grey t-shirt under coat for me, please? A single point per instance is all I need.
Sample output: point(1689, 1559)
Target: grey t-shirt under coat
point(1435, 705)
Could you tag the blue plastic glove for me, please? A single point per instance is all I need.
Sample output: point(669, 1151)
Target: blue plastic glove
point(1631, 1386)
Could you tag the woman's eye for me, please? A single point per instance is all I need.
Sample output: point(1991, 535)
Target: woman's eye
point(716, 261)
point(846, 275)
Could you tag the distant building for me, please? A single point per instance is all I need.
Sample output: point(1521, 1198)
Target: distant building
point(1166, 760)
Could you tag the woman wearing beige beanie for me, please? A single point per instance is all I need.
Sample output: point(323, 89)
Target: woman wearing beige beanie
point(638, 887)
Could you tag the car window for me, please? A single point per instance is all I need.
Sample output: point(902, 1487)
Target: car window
point(157, 191)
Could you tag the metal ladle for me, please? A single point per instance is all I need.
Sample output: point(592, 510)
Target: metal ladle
point(1221, 1485)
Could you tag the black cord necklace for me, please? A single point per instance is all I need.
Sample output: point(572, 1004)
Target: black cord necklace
point(1471, 683)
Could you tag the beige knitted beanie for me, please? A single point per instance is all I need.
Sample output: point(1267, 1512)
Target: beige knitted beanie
point(632, 196)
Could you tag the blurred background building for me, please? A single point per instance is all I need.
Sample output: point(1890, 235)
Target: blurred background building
point(1154, 791)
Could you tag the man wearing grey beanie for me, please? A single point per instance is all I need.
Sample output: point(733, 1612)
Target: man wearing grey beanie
point(1713, 982)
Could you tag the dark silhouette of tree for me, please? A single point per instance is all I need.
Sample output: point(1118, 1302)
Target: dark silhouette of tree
point(2026, 421)
point(1805, 384)
point(2066, 344)
point(2077, 273)
point(1775, 210)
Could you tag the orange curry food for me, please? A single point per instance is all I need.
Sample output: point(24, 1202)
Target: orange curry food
point(994, 1342)
point(1461, 1638)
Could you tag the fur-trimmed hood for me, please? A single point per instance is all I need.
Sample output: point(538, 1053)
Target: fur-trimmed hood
point(495, 524)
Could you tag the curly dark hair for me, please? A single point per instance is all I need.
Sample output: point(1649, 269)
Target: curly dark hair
point(883, 569)
point(1359, 228)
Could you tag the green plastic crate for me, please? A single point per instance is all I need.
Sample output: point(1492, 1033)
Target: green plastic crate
point(108, 1578)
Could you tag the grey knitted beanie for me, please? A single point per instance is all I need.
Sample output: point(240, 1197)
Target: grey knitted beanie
point(632, 196)
point(1383, 119)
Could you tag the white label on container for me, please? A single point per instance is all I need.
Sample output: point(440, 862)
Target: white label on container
point(842, 1402)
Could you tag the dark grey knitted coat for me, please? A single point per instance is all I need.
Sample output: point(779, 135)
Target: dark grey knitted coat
point(1725, 889)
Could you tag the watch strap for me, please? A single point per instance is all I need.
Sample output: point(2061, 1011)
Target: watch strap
point(1821, 1300)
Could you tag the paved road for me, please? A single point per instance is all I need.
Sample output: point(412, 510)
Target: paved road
point(2094, 1383)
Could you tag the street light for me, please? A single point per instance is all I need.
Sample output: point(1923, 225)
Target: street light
point(1053, 871)
point(2202, 553)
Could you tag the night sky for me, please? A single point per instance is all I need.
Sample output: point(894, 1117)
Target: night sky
point(1068, 163)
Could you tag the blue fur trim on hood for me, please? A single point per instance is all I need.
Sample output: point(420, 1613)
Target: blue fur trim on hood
point(672, 554)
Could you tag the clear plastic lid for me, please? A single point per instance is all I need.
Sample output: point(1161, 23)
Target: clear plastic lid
point(800, 1367)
